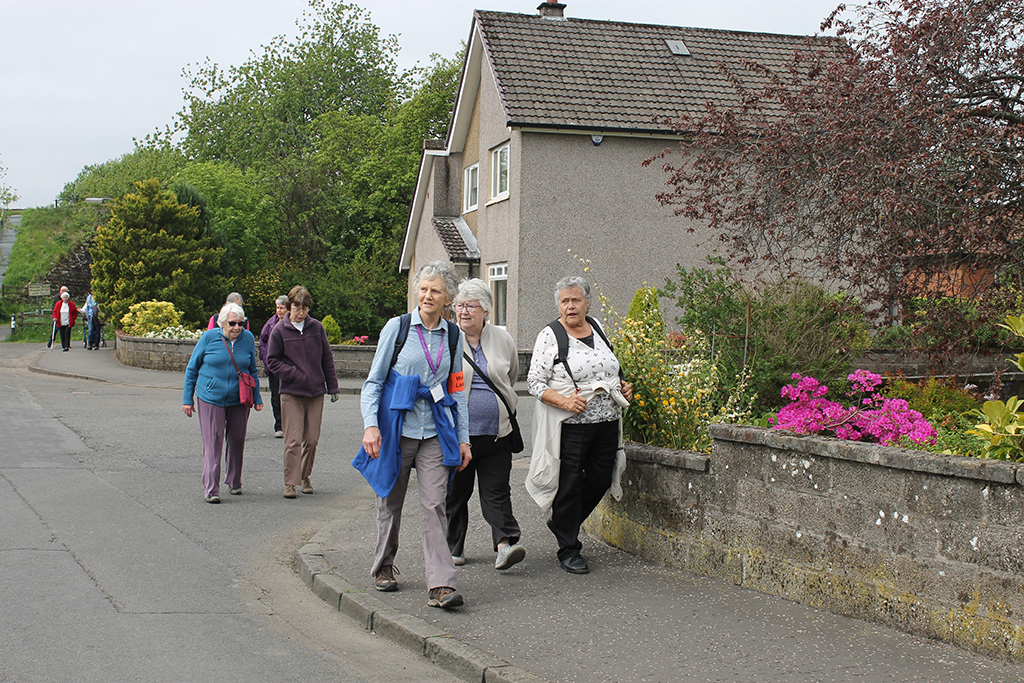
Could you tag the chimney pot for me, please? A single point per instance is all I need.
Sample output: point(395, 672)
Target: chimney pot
point(551, 9)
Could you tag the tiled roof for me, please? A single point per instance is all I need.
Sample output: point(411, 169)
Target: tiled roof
point(613, 75)
point(457, 238)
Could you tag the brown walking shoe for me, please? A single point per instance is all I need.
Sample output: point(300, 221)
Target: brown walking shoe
point(306, 486)
point(443, 596)
point(289, 491)
point(384, 580)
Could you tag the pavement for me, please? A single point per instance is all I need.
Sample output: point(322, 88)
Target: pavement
point(628, 620)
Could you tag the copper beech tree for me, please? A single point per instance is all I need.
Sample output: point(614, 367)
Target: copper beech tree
point(888, 160)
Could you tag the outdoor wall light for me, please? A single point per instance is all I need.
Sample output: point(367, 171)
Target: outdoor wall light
point(596, 139)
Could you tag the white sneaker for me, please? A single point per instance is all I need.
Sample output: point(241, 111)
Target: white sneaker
point(278, 434)
point(509, 555)
point(459, 560)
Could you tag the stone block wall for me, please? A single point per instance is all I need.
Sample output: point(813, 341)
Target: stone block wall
point(929, 544)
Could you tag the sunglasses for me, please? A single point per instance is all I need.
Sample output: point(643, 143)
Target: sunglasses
point(232, 323)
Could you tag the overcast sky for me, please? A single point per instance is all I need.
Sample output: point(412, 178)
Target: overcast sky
point(79, 79)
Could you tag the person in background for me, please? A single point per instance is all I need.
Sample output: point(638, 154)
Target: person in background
point(493, 350)
point(65, 312)
point(281, 304)
point(424, 387)
point(92, 319)
point(233, 298)
point(577, 440)
point(301, 357)
point(211, 377)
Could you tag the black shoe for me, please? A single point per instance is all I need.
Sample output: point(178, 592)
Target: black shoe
point(577, 564)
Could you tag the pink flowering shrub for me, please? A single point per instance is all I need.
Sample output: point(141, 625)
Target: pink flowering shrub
point(870, 417)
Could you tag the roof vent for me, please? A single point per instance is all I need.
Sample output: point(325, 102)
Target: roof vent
point(677, 47)
point(551, 9)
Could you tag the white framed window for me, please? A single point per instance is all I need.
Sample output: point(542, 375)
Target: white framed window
point(497, 274)
point(471, 187)
point(499, 172)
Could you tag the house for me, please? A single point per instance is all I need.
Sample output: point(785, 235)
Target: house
point(553, 119)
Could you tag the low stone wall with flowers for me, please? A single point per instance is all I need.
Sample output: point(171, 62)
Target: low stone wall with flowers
point(929, 544)
point(173, 354)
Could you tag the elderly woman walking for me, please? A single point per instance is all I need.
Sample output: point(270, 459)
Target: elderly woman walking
point(577, 441)
point(221, 356)
point(281, 304)
point(414, 414)
point(491, 370)
point(301, 357)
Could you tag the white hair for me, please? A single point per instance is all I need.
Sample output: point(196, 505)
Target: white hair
point(476, 290)
point(572, 282)
point(438, 270)
point(228, 309)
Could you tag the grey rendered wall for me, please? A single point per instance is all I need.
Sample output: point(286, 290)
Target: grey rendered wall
point(600, 202)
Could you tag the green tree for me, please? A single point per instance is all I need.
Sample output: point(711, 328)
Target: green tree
point(117, 177)
point(7, 194)
point(153, 248)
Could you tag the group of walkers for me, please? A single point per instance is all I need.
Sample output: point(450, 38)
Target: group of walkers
point(439, 397)
point(65, 313)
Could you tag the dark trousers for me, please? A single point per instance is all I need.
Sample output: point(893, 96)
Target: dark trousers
point(275, 399)
point(587, 461)
point(65, 336)
point(492, 465)
point(93, 341)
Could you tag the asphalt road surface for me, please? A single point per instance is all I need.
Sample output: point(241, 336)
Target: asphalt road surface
point(113, 568)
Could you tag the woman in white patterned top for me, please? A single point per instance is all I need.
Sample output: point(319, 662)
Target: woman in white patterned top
point(577, 440)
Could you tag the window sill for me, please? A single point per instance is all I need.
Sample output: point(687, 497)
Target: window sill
point(498, 199)
point(470, 210)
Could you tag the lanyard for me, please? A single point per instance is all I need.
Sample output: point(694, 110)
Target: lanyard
point(434, 365)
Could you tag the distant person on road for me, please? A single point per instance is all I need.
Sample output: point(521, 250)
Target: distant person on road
point(275, 383)
point(212, 375)
point(92, 319)
point(493, 351)
point(233, 298)
point(301, 358)
point(65, 312)
point(577, 437)
point(414, 415)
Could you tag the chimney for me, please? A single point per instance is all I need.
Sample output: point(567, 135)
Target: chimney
point(551, 9)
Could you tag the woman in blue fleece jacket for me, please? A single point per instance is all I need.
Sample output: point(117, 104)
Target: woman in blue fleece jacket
point(212, 378)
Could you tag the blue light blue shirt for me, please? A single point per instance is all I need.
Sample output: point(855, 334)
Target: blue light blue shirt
point(419, 422)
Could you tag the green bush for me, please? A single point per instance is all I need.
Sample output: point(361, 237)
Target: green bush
point(933, 398)
point(645, 309)
point(149, 317)
point(332, 329)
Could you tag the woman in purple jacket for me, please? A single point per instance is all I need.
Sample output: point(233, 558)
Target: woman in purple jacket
point(301, 358)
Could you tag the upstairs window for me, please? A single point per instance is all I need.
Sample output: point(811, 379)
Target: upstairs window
point(499, 172)
point(471, 185)
point(497, 274)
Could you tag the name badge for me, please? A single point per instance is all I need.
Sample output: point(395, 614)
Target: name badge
point(456, 382)
point(437, 393)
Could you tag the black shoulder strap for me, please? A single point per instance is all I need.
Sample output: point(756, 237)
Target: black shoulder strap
point(403, 333)
point(562, 337)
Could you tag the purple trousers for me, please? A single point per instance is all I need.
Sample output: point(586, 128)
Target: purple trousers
point(216, 422)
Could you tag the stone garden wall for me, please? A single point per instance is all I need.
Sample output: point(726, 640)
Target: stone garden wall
point(930, 544)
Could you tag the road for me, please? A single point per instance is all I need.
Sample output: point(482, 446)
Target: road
point(113, 568)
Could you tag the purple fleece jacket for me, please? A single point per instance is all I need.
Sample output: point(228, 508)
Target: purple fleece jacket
point(302, 361)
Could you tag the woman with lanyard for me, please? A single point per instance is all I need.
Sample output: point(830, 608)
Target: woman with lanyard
point(414, 414)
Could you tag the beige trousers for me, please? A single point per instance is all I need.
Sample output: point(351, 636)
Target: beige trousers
point(300, 418)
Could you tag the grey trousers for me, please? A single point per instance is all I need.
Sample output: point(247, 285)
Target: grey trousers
point(432, 476)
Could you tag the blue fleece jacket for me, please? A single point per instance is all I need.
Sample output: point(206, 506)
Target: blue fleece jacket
point(210, 374)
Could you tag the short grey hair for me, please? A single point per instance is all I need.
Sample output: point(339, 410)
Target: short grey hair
point(438, 270)
point(234, 298)
point(570, 282)
point(281, 301)
point(226, 310)
point(476, 290)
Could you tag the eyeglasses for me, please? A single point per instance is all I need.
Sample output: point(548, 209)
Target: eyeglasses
point(233, 323)
point(467, 307)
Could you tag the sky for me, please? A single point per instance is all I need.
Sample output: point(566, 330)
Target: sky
point(80, 79)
